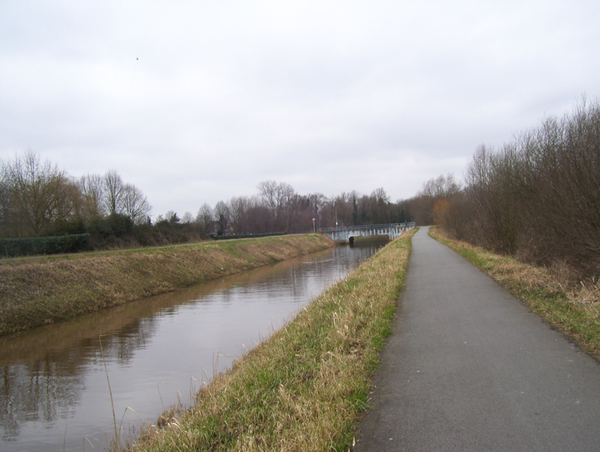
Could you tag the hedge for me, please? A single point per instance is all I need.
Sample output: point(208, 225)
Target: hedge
point(32, 246)
point(246, 236)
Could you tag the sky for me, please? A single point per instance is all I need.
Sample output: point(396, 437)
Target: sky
point(195, 102)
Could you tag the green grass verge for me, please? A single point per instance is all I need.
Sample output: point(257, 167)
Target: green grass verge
point(573, 309)
point(305, 387)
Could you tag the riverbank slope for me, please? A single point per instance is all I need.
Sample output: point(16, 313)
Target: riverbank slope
point(35, 292)
point(305, 387)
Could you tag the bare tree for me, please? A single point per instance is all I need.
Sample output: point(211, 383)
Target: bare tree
point(353, 199)
point(124, 199)
point(238, 211)
point(258, 217)
point(92, 192)
point(268, 193)
point(441, 187)
point(278, 197)
point(204, 218)
point(5, 224)
point(380, 205)
point(433, 190)
point(114, 191)
point(289, 205)
point(317, 201)
point(222, 213)
point(538, 196)
point(38, 194)
point(134, 204)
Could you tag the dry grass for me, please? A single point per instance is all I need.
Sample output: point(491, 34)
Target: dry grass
point(36, 292)
point(304, 388)
point(571, 306)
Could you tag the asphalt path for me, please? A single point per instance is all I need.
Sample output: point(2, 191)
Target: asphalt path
point(470, 368)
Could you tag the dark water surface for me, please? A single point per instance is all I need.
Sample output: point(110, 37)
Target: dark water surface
point(54, 392)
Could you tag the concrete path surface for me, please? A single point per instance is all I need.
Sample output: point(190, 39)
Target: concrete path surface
point(469, 368)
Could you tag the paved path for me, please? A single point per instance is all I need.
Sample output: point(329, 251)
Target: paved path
point(469, 368)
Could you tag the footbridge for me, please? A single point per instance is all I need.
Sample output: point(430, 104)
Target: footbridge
point(345, 233)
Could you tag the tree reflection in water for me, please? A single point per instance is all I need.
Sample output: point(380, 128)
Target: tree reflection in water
point(46, 385)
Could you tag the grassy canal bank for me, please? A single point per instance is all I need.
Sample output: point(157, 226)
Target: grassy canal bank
point(305, 387)
point(573, 307)
point(44, 290)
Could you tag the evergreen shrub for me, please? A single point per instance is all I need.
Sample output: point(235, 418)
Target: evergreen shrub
point(32, 246)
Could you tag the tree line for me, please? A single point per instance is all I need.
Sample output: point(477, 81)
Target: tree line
point(38, 199)
point(277, 207)
point(536, 197)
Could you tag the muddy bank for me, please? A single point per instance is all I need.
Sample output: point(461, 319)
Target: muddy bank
point(47, 290)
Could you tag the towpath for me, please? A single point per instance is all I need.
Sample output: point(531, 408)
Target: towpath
point(469, 368)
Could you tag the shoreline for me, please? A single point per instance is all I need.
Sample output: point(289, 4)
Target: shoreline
point(306, 386)
point(36, 292)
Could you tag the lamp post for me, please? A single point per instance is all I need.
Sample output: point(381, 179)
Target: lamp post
point(336, 222)
point(314, 227)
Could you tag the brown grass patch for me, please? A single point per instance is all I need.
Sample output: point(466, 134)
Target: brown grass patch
point(37, 292)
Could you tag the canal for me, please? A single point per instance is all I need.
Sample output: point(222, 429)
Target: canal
point(54, 380)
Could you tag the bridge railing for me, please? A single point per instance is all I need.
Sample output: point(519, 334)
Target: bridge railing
point(407, 225)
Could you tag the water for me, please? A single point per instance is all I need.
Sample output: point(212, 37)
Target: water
point(54, 391)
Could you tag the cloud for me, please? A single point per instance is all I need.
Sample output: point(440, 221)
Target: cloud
point(195, 102)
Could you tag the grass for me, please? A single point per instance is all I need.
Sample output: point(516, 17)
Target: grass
point(305, 387)
point(571, 307)
point(35, 292)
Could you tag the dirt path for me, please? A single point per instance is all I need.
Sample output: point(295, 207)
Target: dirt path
point(469, 368)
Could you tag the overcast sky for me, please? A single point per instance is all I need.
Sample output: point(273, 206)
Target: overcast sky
point(199, 101)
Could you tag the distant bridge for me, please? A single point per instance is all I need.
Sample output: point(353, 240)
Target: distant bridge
point(345, 233)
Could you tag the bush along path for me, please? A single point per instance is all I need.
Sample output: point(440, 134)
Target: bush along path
point(305, 387)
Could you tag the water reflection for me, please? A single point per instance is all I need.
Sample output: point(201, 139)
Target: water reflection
point(53, 385)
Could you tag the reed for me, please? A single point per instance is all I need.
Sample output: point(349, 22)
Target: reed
point(112, 403)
